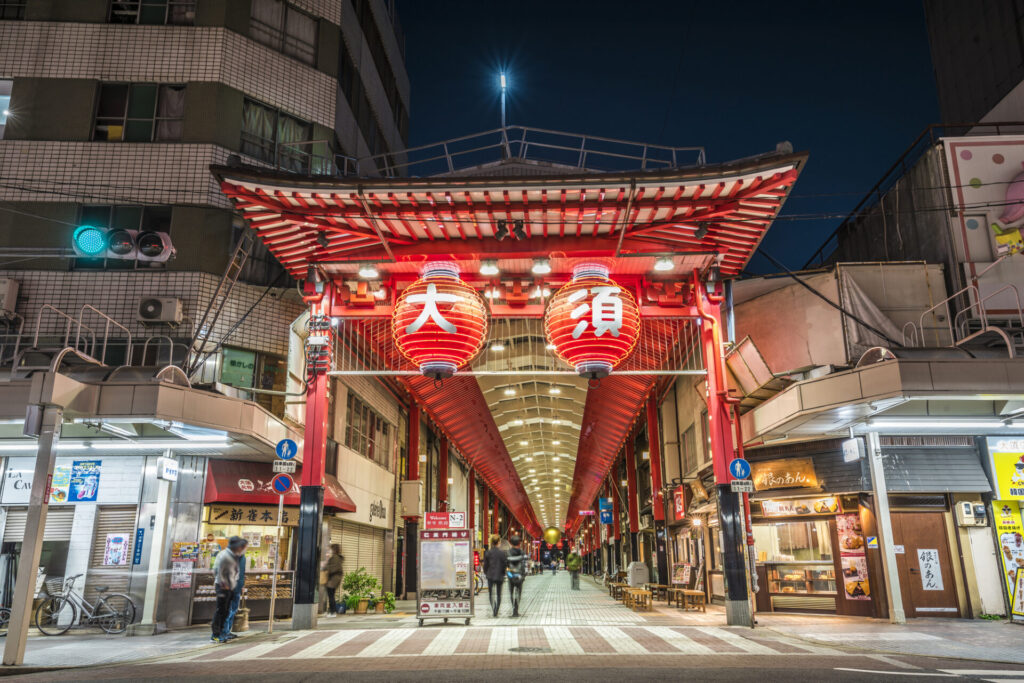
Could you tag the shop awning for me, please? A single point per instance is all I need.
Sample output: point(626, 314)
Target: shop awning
point(230, 481)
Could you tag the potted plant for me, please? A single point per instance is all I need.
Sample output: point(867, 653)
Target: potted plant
point(351, 603)
point(388, 600)
point(360, 586)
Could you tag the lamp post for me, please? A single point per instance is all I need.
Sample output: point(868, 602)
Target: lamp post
point(504, 84)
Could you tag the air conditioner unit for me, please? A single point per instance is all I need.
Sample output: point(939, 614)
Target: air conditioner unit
point(159, 309)
point(8, 297)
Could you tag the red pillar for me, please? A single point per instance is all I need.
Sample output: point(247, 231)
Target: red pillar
point(442, 477)
point(485, 507)
point(471, 500)
point(654, 446)
point(413, 464)
point(616, 510)
point(632, 511)
point(495, 524)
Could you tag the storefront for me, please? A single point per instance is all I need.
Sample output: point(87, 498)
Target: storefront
point(91, 526)
point(239, 501)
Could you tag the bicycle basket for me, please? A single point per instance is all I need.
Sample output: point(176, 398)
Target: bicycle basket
point(54, 586)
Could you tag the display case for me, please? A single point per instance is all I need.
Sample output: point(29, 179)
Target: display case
point(801, 578)
point(256, 594)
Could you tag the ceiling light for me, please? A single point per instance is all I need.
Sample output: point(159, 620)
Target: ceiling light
point(529, 459)
point(524, 443)
point(546, 292)
point(497, 346)
point(541, 266)
point(550, 347)
point(489, 267)
point(556, 443)
point(518, 230)
point(663, 263)
point(532, 470)
point(556, 471)
point(554, 390)
point(936, 424)
point(501, 232)
point(368, 271)
point(646, 455)
point(555, 458)
point(517, 423)
point(510, 391)
point(321, 239)
point(450, 480)
point(702, 231)
point(624, 482)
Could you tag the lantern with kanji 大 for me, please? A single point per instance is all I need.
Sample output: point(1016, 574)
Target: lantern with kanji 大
point(439, 322)
point(592, 322)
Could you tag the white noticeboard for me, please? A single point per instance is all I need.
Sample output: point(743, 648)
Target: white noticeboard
point(445, 587)
point(931, 572)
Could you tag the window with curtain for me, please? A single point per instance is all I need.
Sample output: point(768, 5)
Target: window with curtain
point(273, 136)
point(367, 432)
point(284, 28)
point(153, 12)
point(689, 440)
point(139, 112)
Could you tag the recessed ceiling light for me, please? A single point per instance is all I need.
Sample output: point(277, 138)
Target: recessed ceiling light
point(541, 266)
point(517, 423)
point(510, 391)
point(489, 267)
point(532, 471)
point(524, 443)
point(368, 271)
point(556, 471)
point(664, 263)
point(550, 347)
point(554, 390)
point(529, 459)
point(556, 443)
point(497, 346)
point(555, 458)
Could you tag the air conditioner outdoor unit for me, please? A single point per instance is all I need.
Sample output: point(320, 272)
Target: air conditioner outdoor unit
point(159, 309)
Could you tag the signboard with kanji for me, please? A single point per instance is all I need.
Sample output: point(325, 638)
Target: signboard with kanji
point(444, 520)
point(446, 566)
point(265, 515)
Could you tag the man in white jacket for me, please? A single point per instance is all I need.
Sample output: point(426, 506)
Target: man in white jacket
point(225, 578)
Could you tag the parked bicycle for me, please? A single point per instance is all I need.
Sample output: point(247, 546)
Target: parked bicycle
point(58, 613)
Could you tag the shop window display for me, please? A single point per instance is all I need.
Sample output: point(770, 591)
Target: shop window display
point(798, 557)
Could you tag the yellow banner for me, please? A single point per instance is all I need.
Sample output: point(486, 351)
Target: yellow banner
point(1010, 532)
point(261, 515)
point(1009, 470)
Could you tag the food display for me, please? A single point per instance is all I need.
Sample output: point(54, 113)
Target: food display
point(811, 578)
point(852, 556)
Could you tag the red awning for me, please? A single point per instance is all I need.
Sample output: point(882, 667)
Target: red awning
point(231, 481)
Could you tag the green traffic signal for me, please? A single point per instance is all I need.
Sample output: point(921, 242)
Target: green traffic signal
point(89, 240)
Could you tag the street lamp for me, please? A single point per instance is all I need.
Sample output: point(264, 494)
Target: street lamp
point(504, 84)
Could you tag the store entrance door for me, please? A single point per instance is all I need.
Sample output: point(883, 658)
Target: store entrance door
point(925, 567)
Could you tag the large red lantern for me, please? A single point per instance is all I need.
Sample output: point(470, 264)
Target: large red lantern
point(440, 322)
point(592, 321)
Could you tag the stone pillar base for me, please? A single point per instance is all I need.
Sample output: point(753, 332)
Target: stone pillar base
point(737, 613)
point(146, 629)
point(303, 616)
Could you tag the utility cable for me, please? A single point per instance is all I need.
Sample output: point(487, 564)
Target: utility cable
point(824, 298)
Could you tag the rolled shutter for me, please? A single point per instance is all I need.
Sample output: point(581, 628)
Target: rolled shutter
point(111, 520)
point(361, 546)
point(58, 524)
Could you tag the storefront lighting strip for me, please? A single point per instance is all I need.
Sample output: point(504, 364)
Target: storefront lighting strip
point(30, 446)
point(938, 424)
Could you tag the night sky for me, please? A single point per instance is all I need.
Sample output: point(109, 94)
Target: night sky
point(850, 82)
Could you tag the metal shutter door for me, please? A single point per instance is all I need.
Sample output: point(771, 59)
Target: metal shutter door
point(371, 551)
point(361, 546)
point(110, 520)
point(342, 534)
point(58, 524)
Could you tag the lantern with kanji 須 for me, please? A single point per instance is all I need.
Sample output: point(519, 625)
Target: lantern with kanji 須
point(440, 322)
point(592, 321)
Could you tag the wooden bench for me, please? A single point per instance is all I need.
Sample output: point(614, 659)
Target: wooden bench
point(616, 590)
point(659, 590)
point(694, 599)
point(640, 600)
point(675, 595)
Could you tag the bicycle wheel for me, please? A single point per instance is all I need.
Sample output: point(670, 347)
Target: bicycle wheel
point(5, 620)
point(114, 612)
point(55, 616)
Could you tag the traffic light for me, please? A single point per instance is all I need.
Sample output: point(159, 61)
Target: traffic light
point(132, 245)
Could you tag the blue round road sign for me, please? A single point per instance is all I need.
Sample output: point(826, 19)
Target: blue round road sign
point(739, 468)
point(287, 449)
point(282, 483)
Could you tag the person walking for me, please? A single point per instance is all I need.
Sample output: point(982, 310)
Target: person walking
point(236, 599)
point(225, 579)
point(554, 565)
point(516, 570)
point(572, 563)
point(494, 570)
point(334, 576)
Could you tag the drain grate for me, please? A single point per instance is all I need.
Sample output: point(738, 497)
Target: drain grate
point(529, 650)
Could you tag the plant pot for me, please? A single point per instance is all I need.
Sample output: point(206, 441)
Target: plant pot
point(380, 608)
point(241, 619)
point(361, 608)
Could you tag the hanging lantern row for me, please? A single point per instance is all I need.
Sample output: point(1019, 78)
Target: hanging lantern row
point(592, 321)
point(440, 322)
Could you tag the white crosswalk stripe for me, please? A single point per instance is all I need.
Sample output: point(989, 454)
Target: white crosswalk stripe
point(445, 643)
point(562, 641)
point(622, 643)
point(327, 644)
point(387, 642)
point(736, 641)
point(257, 650)
point(680, 641)
point(503, 640)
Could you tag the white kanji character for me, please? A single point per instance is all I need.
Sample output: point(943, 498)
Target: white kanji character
point(430, 301)
point(605, 314)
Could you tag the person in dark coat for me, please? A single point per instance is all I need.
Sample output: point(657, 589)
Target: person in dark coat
point(334, 573)
point(494, 570)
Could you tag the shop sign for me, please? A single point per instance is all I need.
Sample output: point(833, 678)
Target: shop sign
point(681, 573)
point(443, 520)
point(1010, 533)
point(265, 515)
point(788, 473)
point(445, 607)
point(85, 481)
point(679, 502)
point(140, 533)
point(167, 469)
point(181, 573)
point(799, 507)
point(1017, 604)
point(605, 506)
point(1008, 466)
point(238, 367)
point(931, 572)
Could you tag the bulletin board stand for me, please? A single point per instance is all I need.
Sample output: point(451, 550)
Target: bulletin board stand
point(445, 575)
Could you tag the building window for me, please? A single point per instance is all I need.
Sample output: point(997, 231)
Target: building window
point(690, 459)
point(158, 12)
point(271, 135)
point(139, 112)
point(366, 432)
point(284, 28)
point(12, 9)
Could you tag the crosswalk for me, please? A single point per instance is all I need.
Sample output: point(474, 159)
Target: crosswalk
point(540, 640)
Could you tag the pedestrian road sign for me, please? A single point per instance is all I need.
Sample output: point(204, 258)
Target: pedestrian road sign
point(282, 483)
point(739, 468)
point(285, 466)
point(287, 449)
